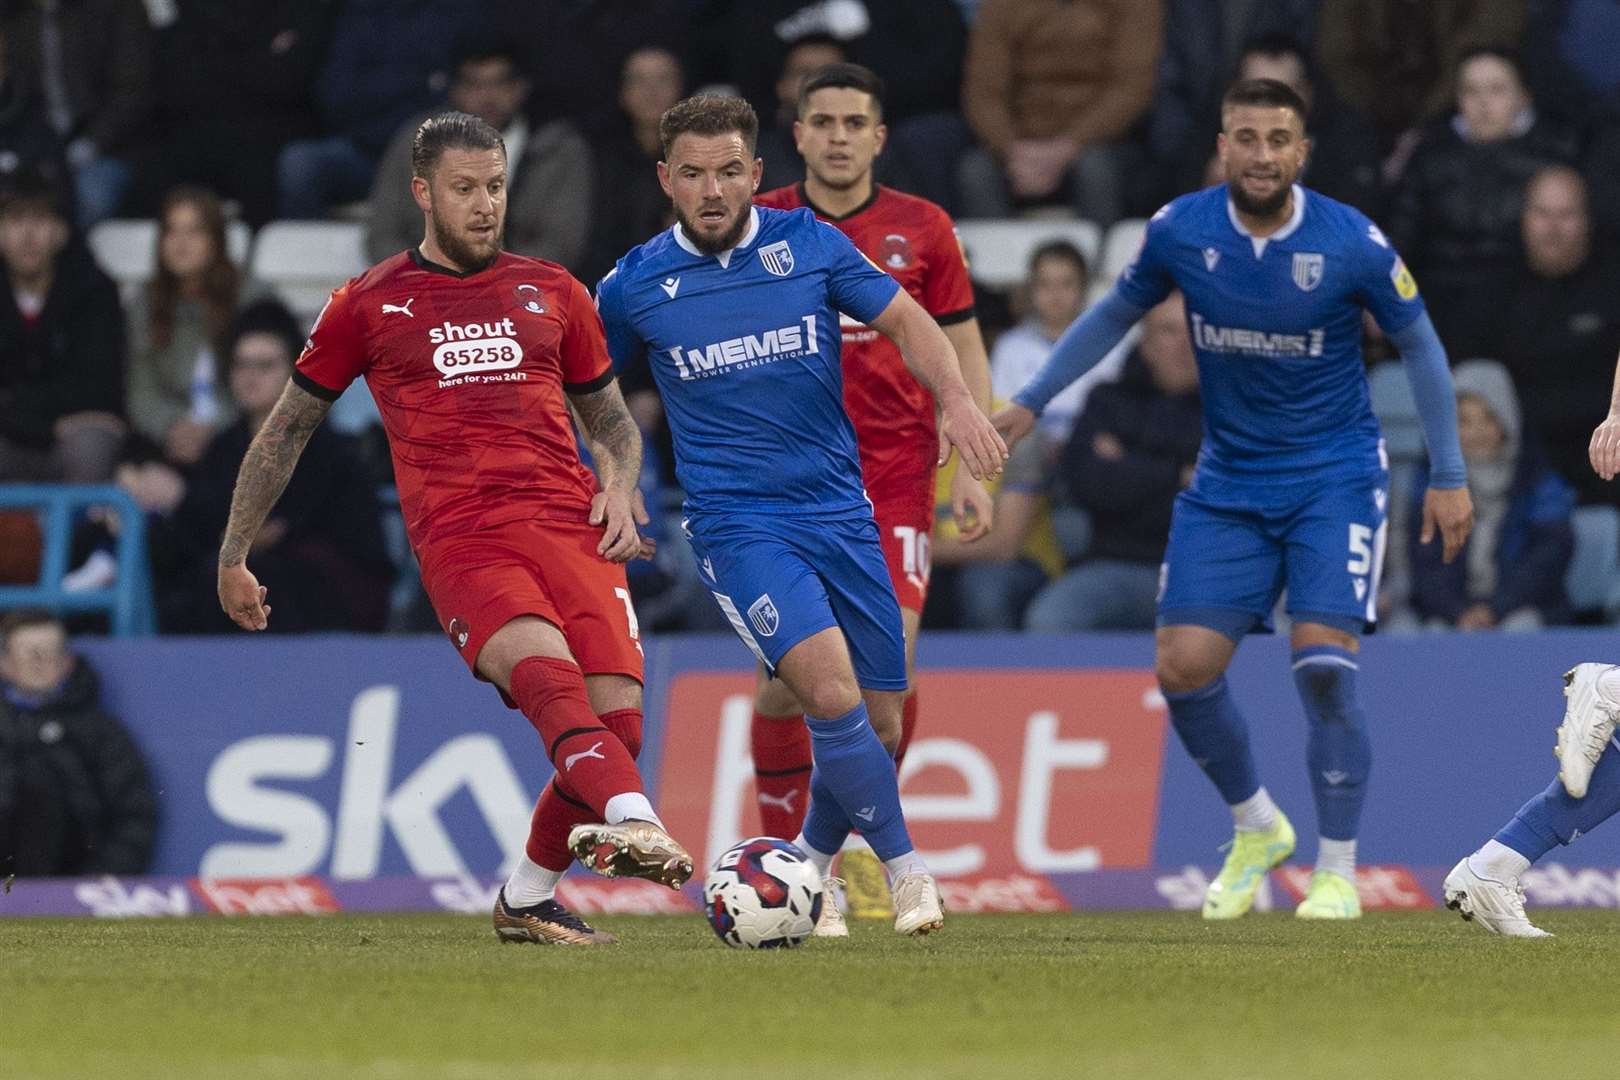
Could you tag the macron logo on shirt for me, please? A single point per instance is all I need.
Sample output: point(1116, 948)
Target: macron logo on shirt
point(750, 350)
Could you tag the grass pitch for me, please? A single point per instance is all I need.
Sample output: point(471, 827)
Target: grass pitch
point(1099, 995)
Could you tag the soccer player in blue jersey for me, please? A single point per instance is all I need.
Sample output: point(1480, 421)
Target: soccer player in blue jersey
point(1291, 483)
point(735, 308)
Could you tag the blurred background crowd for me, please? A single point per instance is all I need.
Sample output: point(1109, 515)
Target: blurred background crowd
point(182, 180)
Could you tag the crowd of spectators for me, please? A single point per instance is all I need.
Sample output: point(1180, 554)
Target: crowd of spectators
point(1482, 135)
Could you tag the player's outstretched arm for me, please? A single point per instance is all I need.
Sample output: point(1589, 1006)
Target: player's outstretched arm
point(266, 468)
point(1605, 448)
point(1081, 348)
point(615, 444)
point(929, 356)
point(1447, 507)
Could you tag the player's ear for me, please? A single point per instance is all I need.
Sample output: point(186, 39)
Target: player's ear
point(759, 172)
point(422, 192)
point(664, 179)
point(881, 132)
point(798, 136)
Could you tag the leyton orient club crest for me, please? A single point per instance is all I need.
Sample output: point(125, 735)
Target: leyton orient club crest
point(1307, 270)
point(531, 298)
point(777, 258)
point(896, 252)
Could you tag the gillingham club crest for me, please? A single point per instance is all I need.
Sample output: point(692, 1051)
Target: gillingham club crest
point(763, 614)
point(777, 258)
point(1307, 270)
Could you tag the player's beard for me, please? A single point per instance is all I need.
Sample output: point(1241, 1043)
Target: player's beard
point(465, 255)
point(1270, 206)
point(724, 242)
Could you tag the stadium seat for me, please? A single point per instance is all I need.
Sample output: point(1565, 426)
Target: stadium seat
point(1397, 412)
point(305, 260)
point(126, 248)
point(1120, 246)
point(998, 250)
point(1593, 577)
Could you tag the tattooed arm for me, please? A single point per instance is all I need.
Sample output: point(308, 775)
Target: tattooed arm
point(615, 444)
point(266, 468)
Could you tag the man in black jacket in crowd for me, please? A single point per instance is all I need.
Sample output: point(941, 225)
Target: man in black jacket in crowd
point(75, 797)
point(1132, 451)
point(61, 344)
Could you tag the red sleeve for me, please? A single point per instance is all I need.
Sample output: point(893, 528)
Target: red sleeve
point(586, 366)
point(335, 354)
point(947, 292)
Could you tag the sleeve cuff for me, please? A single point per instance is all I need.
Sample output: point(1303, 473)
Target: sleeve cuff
point(954, 317)
point(304, 382)
point(591, 387)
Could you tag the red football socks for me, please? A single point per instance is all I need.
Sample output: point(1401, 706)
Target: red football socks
point(782, 763)
point(589, 756)
point(559, 809)
point(908, 728)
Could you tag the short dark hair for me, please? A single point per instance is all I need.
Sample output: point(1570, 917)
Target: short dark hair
point(32, 189)
point(1505, 53)
point(843, 76)
point(709, 114)
point(451, 131)
point(483, 51)
point(266, 316)
point(1063, 250)
point(22, 619)
point(1280, 43)
point(1264, 93)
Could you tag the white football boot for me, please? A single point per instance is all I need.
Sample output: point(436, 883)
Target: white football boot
point(831, 923)
point(1498, 906)
point(918, 909)
point(1588, 726)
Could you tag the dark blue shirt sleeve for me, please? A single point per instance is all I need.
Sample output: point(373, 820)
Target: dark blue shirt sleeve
point(1081, 348)
point(857, 287)
point(1430, 376)
point(624, 344)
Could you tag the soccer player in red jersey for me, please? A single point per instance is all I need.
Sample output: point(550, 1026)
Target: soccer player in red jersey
point(840, 133)
point(474, 356)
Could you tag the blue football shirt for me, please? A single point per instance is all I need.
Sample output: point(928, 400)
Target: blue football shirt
point(1276, 324)
point(746, 352)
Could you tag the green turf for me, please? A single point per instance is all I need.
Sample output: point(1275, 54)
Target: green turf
point(1015, 996)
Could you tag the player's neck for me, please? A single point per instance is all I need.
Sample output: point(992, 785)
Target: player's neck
point(1264, 225)
point(838, 202)
point(433, 253)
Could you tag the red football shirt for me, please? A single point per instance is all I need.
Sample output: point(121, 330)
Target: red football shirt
point(915, 242)
point(469, 373)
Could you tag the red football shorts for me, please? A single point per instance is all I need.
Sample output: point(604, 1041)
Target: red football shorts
point(906, 532)
point(483, 580)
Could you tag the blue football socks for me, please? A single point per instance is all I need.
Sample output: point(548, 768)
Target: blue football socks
point(1217, 738)
point(853, 785)
point(1553, 818)
point(1338, 752)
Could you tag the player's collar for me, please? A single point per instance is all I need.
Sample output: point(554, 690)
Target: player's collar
point(804, 197)
point(1283, 233)
point(425, 263)
point(725, 256)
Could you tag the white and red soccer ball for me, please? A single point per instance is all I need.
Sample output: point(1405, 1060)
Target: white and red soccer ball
point(763, 894)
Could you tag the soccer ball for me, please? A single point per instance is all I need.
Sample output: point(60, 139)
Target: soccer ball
point(763, 894)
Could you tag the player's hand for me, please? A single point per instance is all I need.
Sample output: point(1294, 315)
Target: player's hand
point(1605, 449)
point(619, 514)
point(242, 597)
point(1013, 422)
point(969, 430)
point(1451, 512)
point(972, 507)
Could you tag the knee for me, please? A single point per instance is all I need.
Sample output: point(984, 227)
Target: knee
point(831, 697)
point(773, 698)
point(1180, 670)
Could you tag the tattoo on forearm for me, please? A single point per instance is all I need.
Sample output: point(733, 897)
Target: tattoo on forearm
point(267, 467)
point(614, 439)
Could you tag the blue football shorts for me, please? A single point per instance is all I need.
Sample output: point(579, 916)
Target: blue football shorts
point(779, 580)
point(1234, 549)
